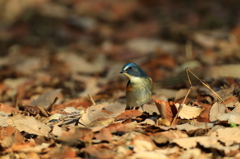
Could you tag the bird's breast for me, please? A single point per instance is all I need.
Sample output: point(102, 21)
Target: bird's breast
point(139, 91)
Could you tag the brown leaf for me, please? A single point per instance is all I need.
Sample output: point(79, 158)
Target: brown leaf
point(7, 109)
point(166, 110)
point(63, 152)
point(114, 127)
point(82, 134)
point(104, 135)
point(99, 151)
point(128, 114)
point(230, 100)
point(9, 136)
point(76, 103)
point(204, 115)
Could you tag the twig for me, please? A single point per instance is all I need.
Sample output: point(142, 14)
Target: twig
point(205, 84)
point(49, 108)
point(180, 106)
point(90, 97)
point(191, 87)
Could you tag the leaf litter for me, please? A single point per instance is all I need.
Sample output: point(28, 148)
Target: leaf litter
point(48, 72)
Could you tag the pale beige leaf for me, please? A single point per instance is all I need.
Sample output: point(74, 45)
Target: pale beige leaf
point(188, 127)
point(149, 155)
point(181, 94)
point(233, 116)
point(186, 143)
point(3, 117)
point(216, 110)
point(173, 134)
point(98, 123)
point(142, 142)
point(37, 148)
point(189, 112)
point(148, 121)
point(57, 130)
point(104, 110)
point(47, 98)
point(29, 125)
point(191, 142)
point(169, 150)
point(227, 135)
point(192, 153)
point(149, 108)
point(227, 149)
point(71, 110)
point(207, 141)
point(204, 39)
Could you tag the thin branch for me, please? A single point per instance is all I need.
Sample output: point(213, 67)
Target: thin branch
point(90, 97)
point(191, 87)
point(205, 84)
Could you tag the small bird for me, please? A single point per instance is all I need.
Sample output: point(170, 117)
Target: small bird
point(139, 87)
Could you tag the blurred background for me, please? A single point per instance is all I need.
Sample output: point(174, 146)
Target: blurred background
point(80, 46)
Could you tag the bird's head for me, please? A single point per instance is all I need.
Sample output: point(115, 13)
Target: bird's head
point(132, 70)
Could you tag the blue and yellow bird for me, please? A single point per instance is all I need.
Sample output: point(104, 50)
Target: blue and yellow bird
point(139, 87)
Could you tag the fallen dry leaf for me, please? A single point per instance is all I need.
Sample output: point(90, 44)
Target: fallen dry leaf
point(3, 118)
point(82, 134)
point(114, 127)
point(227, 135)
point(149, 155)
point(166, 110)
point(216, 110)
point(232, 116)
point(180, 94)
point(47, 98)
point(10, 136)
point(150, 109)
point(190, 127)
point(189, 112)
point(142, 143)
point(127, 114)
point(104, 110)
point(29, 125)
point(204, 115)
point(99, 151)
point(7, 109)
point(104, 135)
point(100, 122)
point(192, 153)
point(191, 142)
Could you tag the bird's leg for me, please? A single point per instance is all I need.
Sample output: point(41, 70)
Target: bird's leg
point(127, 108)
point(139, 107)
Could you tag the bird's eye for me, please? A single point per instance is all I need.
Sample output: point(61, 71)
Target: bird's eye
point(129, 68)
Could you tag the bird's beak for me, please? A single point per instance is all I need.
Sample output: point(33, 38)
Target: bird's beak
point(122, 71)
